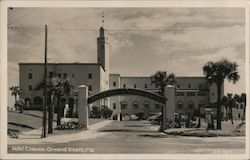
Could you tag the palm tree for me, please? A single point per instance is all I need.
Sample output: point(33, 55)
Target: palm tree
point(15, 91)
point(224, 103)
point(243, 99)
point(231, 104)
point(217, 72)
point(161, 79)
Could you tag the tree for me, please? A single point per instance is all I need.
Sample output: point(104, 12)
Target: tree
point(224, 103)
point(243, 99)
point(62, 89)
point(217, 72)
point(51, 94)
point(161, 79)
point(57, 88)
point(231, 103)
point(15, 91)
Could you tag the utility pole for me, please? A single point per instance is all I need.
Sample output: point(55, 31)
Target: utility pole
point(44, 134)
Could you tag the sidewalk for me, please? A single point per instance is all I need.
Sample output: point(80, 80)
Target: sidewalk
point(34, 136)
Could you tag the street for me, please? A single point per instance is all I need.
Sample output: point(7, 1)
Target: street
point(135, 137)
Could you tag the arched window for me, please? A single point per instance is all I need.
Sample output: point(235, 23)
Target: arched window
point(135, 105)
point(191, 105)
point(38, 100)
point(146, 104)
point(202, 104)
point(179, 105)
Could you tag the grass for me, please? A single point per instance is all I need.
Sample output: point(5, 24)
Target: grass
point(238, 129)
point(32, 119)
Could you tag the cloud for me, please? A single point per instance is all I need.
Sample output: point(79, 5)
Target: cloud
point(143, 40)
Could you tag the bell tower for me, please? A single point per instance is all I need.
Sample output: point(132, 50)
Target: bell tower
point(103, 48)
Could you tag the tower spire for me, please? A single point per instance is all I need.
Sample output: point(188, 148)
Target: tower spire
point(103, 19)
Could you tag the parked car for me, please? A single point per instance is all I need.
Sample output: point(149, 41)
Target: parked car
point(157, 120)
point(153, 117)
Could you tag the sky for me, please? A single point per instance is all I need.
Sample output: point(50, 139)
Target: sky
point(142, 40)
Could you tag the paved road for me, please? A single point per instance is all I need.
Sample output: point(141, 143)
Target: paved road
point(139, 137)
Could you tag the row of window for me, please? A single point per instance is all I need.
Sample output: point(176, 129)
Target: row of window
point(191, 93)
point(239, 106)
point(30, 87)
point(60, 75)
point(136, 106)
point(189, 86)
point(146, 85)
point(135, 86)
point(190, 105)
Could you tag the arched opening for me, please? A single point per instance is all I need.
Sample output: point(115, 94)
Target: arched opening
point(28, 103)
point(71, 107)
point(38, 102)
point(146, 106)
point(191, 108)
point(62, 107)
point(180, 107)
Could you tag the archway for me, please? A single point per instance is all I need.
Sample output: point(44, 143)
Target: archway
point(27, 103)
point(84, 101)
point(38, 102)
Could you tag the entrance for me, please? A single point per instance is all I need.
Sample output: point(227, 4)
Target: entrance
point(84, 101)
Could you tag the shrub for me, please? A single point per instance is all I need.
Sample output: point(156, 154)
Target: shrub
point(106, 112)
point(115, 117)
point(96, 112)
point(142, 116)
point(69, 126)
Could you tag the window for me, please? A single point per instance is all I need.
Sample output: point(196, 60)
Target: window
point(30, 75)
point(124, 106)
point(179, 105)
point(114, 83)
point(178, 86)
point(237, 106)
point(90, 75)
point(124, 86)
point(190, 93)
point(64, 75)
point(157, 106)
point(189, 85)
point(51, 74)
point(135, 106)
point(202, 104)
point(191, 106)
point(90, 88)
point(30, 87)
point(73, 75)
point(146, 106)
point(114, 105)
point(200, 86)
point(239, 115)
point(202, 93)
point(134, 85)
point(145, 86)
point(59, 75)
point(241, 106)
point(180, 93)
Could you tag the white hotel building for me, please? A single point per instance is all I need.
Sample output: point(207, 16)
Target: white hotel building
point(191, 92)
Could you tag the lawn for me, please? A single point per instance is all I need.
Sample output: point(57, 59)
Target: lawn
point(30, 119)
point(237, 129)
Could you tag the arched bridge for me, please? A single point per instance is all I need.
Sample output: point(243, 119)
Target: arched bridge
point(126, 91)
